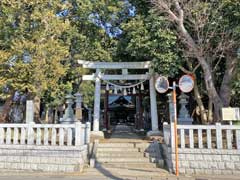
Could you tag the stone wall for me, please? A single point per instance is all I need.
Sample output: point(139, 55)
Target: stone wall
point(204, 161)
point(43, 158)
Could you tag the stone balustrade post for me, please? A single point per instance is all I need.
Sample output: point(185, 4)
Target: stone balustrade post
point(78, 129)
point(219, 136)
point(166, 133)
point(30, 133)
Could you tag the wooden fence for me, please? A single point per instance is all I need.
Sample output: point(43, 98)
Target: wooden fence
point(203, 136)
point(45, 134)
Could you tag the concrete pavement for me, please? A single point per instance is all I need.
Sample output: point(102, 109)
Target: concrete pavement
point(99, 175)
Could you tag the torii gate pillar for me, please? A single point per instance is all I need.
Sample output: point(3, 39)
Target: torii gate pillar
point(153, 103)
point(97, 101)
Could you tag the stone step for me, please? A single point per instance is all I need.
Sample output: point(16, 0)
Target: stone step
point(122, 159)
point(120, 154)
point(142, 145)
point(114, 149)
point(126, 165)
point(139, 172)
point(125, 144)
point(126, 173)
point(116, 145)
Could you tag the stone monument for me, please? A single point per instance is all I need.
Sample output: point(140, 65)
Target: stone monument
point(29, 112)
point(78, 114)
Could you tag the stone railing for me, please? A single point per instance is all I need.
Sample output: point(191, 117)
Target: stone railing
point(203, 136)
point(45, 134)
point(203, 149)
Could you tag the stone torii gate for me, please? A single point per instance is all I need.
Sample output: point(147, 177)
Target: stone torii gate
point(124, 66)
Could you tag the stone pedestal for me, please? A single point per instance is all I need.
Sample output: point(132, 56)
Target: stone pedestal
point(184, 117)
point(153, 133)
point(97, 135)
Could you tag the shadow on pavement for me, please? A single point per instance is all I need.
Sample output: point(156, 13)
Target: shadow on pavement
point(107, 173)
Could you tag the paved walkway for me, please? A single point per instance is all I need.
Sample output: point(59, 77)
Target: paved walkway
point(98, 175)
point(124, 133)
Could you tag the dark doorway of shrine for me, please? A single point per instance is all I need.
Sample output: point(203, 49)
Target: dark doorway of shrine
point(128, 110)
point(122, 110)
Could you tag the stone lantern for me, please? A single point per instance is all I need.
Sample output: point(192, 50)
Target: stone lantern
point(68, 117)
point(183, 116)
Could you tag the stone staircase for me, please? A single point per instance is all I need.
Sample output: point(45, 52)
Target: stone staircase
point(137, 159)
point(126, 155)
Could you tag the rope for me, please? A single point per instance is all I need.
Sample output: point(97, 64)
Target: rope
point(124, 87)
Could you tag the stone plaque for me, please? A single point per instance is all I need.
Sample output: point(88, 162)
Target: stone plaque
point(230, 114)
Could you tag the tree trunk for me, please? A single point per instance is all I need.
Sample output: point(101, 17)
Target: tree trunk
point(200, 103)
point(210, 111)
point(197, 96)
point(208, 78)
point(225, 90)
point(212, 93)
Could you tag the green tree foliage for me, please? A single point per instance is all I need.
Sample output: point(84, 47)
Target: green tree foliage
point(33, 46)
point(146, 37)
point(41, 41)
point(232, 15)
point(95, 26)
point(95, 22)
